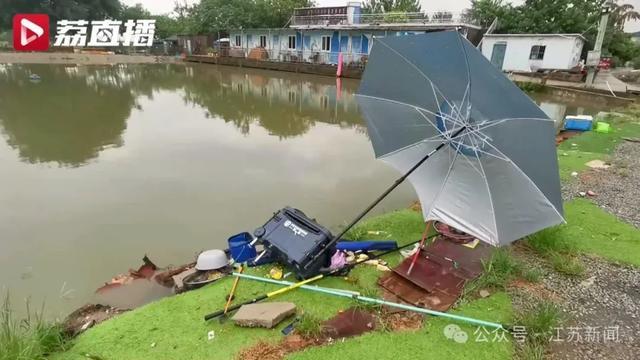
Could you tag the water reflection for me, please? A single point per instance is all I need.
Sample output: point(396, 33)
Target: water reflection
point(74, 112)
point(66, 124)
point(557, 104)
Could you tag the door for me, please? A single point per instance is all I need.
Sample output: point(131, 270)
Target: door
point(335, 47)
point(365, 45)
point(497, 55)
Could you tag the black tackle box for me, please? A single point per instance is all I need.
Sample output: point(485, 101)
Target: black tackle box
point(293, 239)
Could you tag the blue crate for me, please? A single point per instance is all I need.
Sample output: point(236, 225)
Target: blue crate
point(578, 122)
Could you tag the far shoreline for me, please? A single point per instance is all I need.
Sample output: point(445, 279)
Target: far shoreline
point(81, 58)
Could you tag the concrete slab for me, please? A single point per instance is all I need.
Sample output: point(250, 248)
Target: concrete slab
point(265, 315)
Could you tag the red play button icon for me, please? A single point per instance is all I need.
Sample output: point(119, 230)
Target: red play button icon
point(31, 32)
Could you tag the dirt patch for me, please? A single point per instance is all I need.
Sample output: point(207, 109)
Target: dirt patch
point(537, 290)
point(275, 351)
point(402, 321)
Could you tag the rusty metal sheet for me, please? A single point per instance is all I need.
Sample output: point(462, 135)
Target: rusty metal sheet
point(414, 295)
point(351, 322)
point(391, 297)
point(466, 262)
point(431, 276)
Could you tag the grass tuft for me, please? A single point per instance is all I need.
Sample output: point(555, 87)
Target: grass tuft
point(356, 233)
point(551, 240)
point(532, 275)
point(559, 249)
point(540, 322)
point(309, 326)
point(531, 352)
point(31, 338)
point(565, 264)
point(499, 271)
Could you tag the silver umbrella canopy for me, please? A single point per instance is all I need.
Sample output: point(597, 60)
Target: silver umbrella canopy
point(497, 178)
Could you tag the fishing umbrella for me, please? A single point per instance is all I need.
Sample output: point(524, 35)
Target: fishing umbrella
point(492, 168)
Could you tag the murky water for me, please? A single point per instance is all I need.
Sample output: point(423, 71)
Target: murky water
point(101, 165)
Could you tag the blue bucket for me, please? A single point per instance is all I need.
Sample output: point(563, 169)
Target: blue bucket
point(240, 249)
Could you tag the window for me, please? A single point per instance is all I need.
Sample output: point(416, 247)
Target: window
point(292, 41)
point(263, 41)
point(326, 43)
point(537, 52)
point(324, 101)
point(238, 40)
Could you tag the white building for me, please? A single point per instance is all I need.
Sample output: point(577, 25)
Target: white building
point(533, 52)
point(319, 35)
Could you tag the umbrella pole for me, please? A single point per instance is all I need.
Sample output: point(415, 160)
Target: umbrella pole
point(417, 254)
point(395, 184)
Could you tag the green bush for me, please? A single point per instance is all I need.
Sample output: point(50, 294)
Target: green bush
point(31, 338)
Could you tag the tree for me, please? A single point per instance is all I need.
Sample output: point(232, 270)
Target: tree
point(485, 11)
point(620, 14)
point(134, 12)
point(382, 6)
point(215, 15)
point(276, 13)
point(167, 26)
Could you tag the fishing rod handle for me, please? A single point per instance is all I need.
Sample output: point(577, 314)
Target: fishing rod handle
point(233, 308)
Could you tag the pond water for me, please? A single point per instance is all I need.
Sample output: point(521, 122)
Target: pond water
point(103, 164)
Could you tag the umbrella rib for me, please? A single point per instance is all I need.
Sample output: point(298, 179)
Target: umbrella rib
point(409, 105)
point(466, 61)
point(500, 121)
point(419, 110)
point(448, 117)
point(466, 157)
point(467, 91)
point(487, 153)
point(442, 114)
point(444, 182)
point(414, 66)
point(528, 178)
point(486, 181)
point(436, 138)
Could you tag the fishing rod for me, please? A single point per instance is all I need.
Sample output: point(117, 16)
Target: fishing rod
point(395, 184)
point(338, 292)
point(262, 297)
point(302, 284)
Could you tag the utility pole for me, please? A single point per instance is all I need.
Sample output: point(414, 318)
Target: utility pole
point(593, 56)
